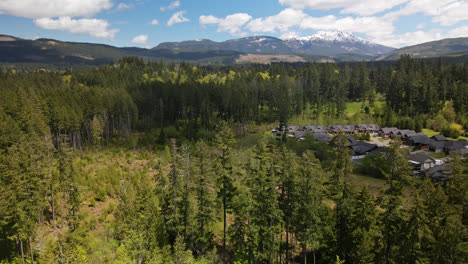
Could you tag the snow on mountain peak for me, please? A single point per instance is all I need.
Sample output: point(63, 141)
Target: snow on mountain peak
point(338, 36)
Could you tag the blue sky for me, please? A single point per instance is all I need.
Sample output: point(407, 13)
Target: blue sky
point(146, 23)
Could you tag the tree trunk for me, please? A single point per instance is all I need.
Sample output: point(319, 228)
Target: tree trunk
point(31, 250)
point(21, 248)
point(287, 242)
point(304, 250)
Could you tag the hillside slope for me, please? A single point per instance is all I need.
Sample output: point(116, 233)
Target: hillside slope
point(446, 47)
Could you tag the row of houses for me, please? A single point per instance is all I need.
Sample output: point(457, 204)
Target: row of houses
point(436, 143)
point(334, 129)
point(422, 165)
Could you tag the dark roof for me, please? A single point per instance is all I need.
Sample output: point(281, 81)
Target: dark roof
point(299, 134)
point(351, 140)
point(407, 133)
point(439, 137)
point(420, 139)
point(362, 147)
point(322, 137)
point(436, 144)
point(437, 173)
point(454, 145)
point(419, 158)
point(388, 130)
point(293, 128)
point(377, 150)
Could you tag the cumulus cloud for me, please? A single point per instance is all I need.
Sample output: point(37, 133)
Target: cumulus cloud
point(123, 6)
point(444, 12)
point(154, 22)
point(171, 6)
point(141, 39)
point(177, 17)
point(94, 27)
point(53, 8)
point(231, 24)
point(363, 8)
point(282, 21)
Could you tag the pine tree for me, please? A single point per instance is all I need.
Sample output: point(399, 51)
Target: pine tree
point(226, 190)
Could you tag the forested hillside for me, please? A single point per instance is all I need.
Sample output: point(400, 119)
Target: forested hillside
point(138, 162)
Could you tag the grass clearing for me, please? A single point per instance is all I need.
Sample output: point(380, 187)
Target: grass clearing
point(437, 155)
point(430, 132)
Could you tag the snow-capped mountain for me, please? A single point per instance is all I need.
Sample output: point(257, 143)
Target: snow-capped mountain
point(335, 42)
point(338, 36)
point(322, 43)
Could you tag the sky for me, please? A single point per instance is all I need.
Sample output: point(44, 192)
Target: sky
point(145, 23)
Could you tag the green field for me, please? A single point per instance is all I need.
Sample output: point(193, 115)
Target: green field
point(356, 107)
point(430, 133)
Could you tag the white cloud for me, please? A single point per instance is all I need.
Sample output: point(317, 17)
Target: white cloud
point(421, 26)
point(452, 13)
point(364, 8)
point(445, 12)
point(53, 8)
point(171, 6)
point(123, 6)
point(177, 17)
point(141, 39)
point(416, 37)
point(282, 21)
point(154, 22)
point(231, 24)
point(94, 27)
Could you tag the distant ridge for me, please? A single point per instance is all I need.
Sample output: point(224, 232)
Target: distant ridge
point(445, 47)
point(324, 46)
point(329, 43)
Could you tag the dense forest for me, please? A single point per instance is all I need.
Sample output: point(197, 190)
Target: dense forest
point(138, 162)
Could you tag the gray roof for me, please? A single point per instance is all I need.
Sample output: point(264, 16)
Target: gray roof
point(351, 140)
point(388, 130)
point(436, 144)
point(439, 137)
point(454, 145)
point(420, 139)
point(322, 137)
point(377, 150)
point(362, 147)
point(407, 133)
point(420, 158)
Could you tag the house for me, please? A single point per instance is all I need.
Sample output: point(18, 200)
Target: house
point(316, 129)
point(335, 129)
point(452, 145)
point(322, 137)
point(437, 173)
point(349, 129)
point(298, 134)
point(362, 148)
point(373, 128)
point(421, 162)
point(293, 129)
point(388, 131)
point(436, 146)
point(351, 141)
point(439, 138)
point(377, 151)
point(406, 134)
point(422, 141)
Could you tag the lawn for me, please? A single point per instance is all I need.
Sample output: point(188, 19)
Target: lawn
point(430, 133)
point(437, 155)
point(355, 107)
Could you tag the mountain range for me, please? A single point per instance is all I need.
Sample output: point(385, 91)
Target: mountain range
point(322, 47)
point(323, 43)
